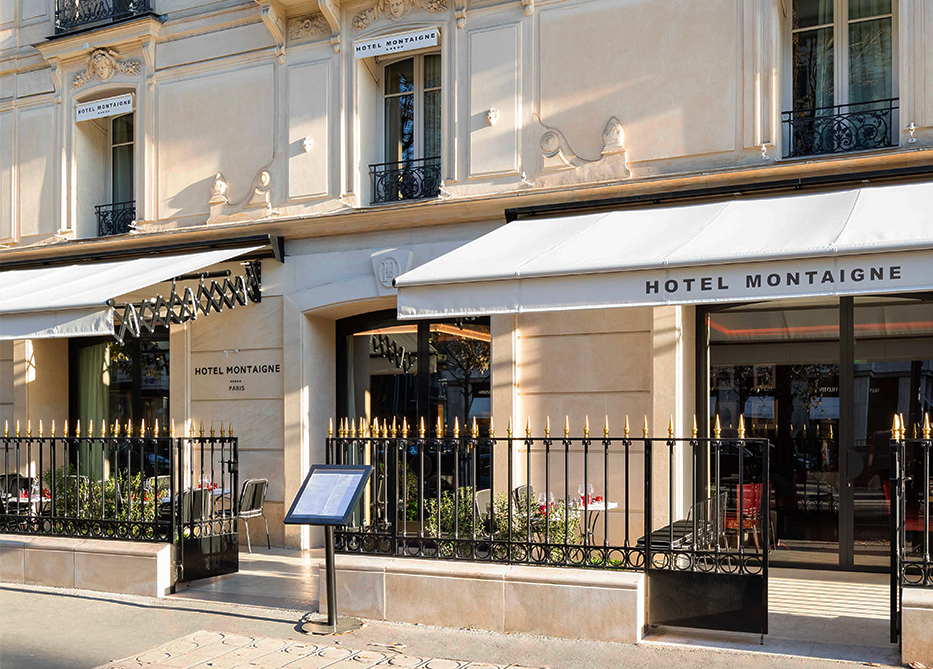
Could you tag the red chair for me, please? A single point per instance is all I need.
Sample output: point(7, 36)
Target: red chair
point(750, 494)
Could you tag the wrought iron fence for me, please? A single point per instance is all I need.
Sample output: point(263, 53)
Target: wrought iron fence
point(912, 486)
point(76, 14)
point(560, 501)
point(115, 219)
point(412, 179)
point(840, 128)
point(120, 483)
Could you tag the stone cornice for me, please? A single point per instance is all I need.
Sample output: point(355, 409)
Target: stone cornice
point(72, 47)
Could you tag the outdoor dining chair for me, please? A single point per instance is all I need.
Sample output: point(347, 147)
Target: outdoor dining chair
point(252, 500)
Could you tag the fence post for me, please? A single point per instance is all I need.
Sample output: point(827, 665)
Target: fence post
point(893, 496)
point(648, 510)
point(392, 490)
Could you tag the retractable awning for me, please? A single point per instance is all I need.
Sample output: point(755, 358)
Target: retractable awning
point(72, 300)
point(858, 241)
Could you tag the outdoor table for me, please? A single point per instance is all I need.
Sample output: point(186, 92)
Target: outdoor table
point(593, 509)
point(30, 503)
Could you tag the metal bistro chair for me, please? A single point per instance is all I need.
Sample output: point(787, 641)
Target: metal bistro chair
point(252, 500)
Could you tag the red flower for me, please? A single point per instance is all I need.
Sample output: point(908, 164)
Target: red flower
point(542, 510)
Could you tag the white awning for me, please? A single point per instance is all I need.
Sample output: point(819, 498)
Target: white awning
point(859, 241)
point(71, 300)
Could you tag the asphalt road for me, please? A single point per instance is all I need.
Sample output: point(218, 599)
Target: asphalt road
point(61, 629)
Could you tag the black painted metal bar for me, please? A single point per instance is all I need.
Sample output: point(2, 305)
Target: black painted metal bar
point(73, 15)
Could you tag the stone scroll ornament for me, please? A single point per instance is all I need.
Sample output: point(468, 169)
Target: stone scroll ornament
point(307, 27)
point(102, 64)
point(396, 10)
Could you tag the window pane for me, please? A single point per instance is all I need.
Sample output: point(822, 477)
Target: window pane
point(862, 9)
point(400, 77)
point(122, 129)
point(432, 124)
point(812, 13)
point(400, 128)
point(123, 173)
point(813, 69)
point(870, 67)
point(432, 71)
point(460, 373)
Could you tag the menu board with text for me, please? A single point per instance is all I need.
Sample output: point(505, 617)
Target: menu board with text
point(328, 495)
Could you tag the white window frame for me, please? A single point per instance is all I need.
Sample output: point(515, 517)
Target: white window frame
point(840, 27)
point(419, 91)
point(109, 158)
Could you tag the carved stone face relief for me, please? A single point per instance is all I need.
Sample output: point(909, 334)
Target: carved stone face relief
point(396, 10)
point(102, 64)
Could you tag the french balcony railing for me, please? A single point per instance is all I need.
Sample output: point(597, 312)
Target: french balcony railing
point(415, 179)
point(72, 15)
point(840, 128)
point(115, 219)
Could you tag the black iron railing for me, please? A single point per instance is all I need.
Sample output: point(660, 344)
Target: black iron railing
point(407, 180)
point(580, 502)
point(141, 486)
point(840, 128)
point(115, 219)
point(73, 15)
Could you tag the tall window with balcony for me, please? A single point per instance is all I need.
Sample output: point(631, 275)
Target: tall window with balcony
point(115, 218)
point(411, 130)
point(72, 15)
point(842, 77)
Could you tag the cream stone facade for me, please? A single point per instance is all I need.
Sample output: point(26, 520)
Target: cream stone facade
point(255, 117)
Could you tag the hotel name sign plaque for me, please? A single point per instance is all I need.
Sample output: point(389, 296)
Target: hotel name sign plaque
point(244, 375)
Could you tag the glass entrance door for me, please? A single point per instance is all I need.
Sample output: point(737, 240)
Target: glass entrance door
point(781, 364)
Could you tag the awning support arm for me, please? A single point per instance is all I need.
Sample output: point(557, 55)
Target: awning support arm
point(159, 311)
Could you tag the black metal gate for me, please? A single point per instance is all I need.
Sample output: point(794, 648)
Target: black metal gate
point(909, 495)
point(205, 510)
point(695, 578)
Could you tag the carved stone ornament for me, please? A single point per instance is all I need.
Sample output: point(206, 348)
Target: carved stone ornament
point(557, 156)
point(102, 64)
point(218, 190)
point(308, 27)
point(396, 10)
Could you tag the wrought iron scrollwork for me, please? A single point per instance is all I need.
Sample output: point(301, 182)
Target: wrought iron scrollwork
point(406, 180)
point(181, 308)
point(115, 219)
point(840, 129)
point(75, 14)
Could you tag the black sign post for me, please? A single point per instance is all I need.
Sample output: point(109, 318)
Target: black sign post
point(327, 498)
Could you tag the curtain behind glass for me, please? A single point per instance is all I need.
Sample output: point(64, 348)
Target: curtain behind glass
point(93, 401)
point(432, 106)
point(122, 158)
point(813, 57)
point(400, 111)
point(870, 52)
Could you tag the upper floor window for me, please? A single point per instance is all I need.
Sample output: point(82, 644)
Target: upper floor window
point(73, 15)
point(114, 218)
point(411, 129)
point(842, 55)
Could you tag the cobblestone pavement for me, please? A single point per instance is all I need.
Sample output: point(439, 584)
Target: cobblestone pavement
point(215, 650)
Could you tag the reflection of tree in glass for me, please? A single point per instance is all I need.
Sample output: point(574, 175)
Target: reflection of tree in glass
point(807, 383)
point(465, 359)
point(746, 381)
point(152, 366)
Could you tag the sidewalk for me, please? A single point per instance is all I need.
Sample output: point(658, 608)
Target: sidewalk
point(62, 629)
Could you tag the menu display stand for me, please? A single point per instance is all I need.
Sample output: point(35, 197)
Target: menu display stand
point(327, 498)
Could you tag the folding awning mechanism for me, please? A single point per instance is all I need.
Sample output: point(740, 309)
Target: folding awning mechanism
point(178, 308)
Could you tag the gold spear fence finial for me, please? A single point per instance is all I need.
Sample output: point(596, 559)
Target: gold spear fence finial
point(353, 428)
point(644, 429)
point(404, 427)
point(566, 426)
point(421, 430)
point(547, 427)
point(223, 435)
point(17, 428)
point(156, 432)
point(212, 427)
point(440, 428)
point(528, 427)
point(40, 427)
point(103, 428)
point(77, 428)
point(626, 428)
point(926, 426)
point(142, 428)
point(508, 428)
point(586, 427)
point(28, 427)
point(717, 428)
point(695, 432)
point(895, 428)
point(492, 428)
point(741, 431)
point(474, 430)
point(670, 428)
point(606, 428)
point(90, 428)
point(395, 426)
point(330, 428)
point(456, 428)
point(52, 431)
point(65, 430)
point(230, 429)
point(6, 429)
point(171, 430)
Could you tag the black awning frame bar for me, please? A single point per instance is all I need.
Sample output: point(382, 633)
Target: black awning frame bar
point(275, 242)
point(565, 208)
